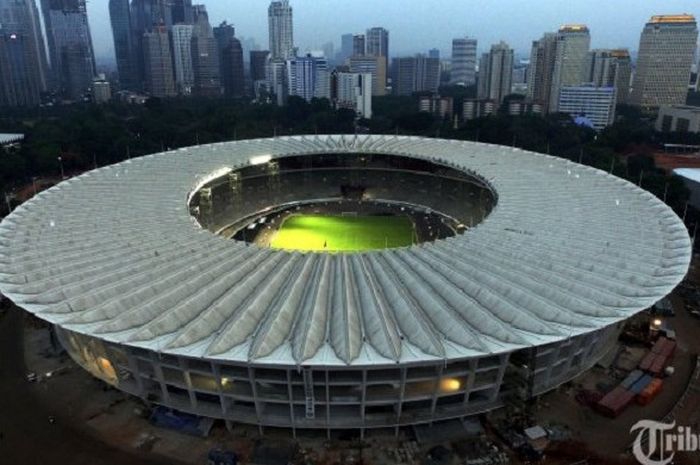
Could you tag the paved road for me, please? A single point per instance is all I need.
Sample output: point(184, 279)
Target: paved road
point(26, 437)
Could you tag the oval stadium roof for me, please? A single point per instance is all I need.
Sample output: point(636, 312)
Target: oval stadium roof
point(115, 253)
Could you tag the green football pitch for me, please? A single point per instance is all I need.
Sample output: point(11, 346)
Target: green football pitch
point(343, 233)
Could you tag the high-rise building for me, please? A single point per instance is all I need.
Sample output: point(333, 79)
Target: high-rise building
point(463, 61)
point(101, 90)
point(70, 46)
point(182, 12)
point(359, 47)
point(595, 105)
point(354, 91)
point(415, 74)
point(611, 68)
point(258, 75)
point(22, 55)
point(346, 44)
point(329, 51)
point(496, 73)
point(124, 46)
point(182, 58)
point(541, 69)
point(434, 53)
point(666, 53)
point(573, 43)
point(277, 83)
point(375, 66)
point(258, 58)
point(309, 77)
point(377, 40)
point(557, 60)
point(159, 64)
point(377, 44)
point(279, 17)
point(230, 60)
point(205, 56)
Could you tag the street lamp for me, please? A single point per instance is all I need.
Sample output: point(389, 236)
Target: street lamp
point(60, 162)
point(34, 184)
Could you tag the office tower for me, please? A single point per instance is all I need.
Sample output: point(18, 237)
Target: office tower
point(182, 12)
point(376, 67)
point(434, 53)
point(277, 80)
point(70, 46)
point(182, 58)
point(463, 61)
point(124, 46)
point(309, 77)
point(205, 56)
point(595, 104)
point(345, 48)
point(279, 17)
point(415, 74)
point(147, 14)
point(557, 60)
point(23, 60)
point(258, 74)
point(496, 73)
point(611, 68)
point(377, 42)
point(666, 53)
point(258, 58)
point(159, 64)
point(329, 51)
point(358, 45)
point(230, 60)
point(571, 58)
point(354, 91)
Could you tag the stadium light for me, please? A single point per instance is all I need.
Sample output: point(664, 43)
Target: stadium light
point(260, 159)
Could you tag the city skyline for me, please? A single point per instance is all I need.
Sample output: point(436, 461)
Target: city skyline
point(425, 27)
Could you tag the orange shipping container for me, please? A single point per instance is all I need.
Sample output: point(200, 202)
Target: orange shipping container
point(650, 392)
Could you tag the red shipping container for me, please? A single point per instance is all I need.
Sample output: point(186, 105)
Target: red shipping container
point(668, 349)
point(647, 361)
point(650, 392)
point(658, 345)
point(615, 402)
point(657, 367)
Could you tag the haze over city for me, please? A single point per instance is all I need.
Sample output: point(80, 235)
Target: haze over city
point(418, 25)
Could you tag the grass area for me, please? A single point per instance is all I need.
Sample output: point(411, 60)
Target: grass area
point(343, 233)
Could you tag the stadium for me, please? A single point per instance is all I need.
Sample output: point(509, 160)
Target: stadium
point(336, 283)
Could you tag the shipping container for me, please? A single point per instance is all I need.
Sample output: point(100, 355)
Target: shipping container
point(650, 392)
point(641, 384)
point(647, 361)
point(632, 378)
point(615, 402)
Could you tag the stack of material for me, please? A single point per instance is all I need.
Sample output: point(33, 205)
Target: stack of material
point(650, 392)
point(615, 402)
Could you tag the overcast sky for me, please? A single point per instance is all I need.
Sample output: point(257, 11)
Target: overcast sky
point(418, 25)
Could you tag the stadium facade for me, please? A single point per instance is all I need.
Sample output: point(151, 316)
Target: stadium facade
point(142, 269)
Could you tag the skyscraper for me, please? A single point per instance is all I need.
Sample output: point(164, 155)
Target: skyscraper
point(309, 77)
point(230, 60)
point(463, 61)
point(354, 91)
point(70, 45)
point(345, 47)
point(376, 67)
point(279, 16)
point(124, 49)
point(611, 68)
point(182, 12)
point(666, 53)
point(557, 60)
point(182, 58)
point(22, 56)
point(434, 53)
point(571, 58)
point(205, 56)
point(159, 64)
point(145, 16)
point(377, 44)
point(258, 58)
point(415, 74)
point(595, 104)
point(496, 72)
point(358, 45)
